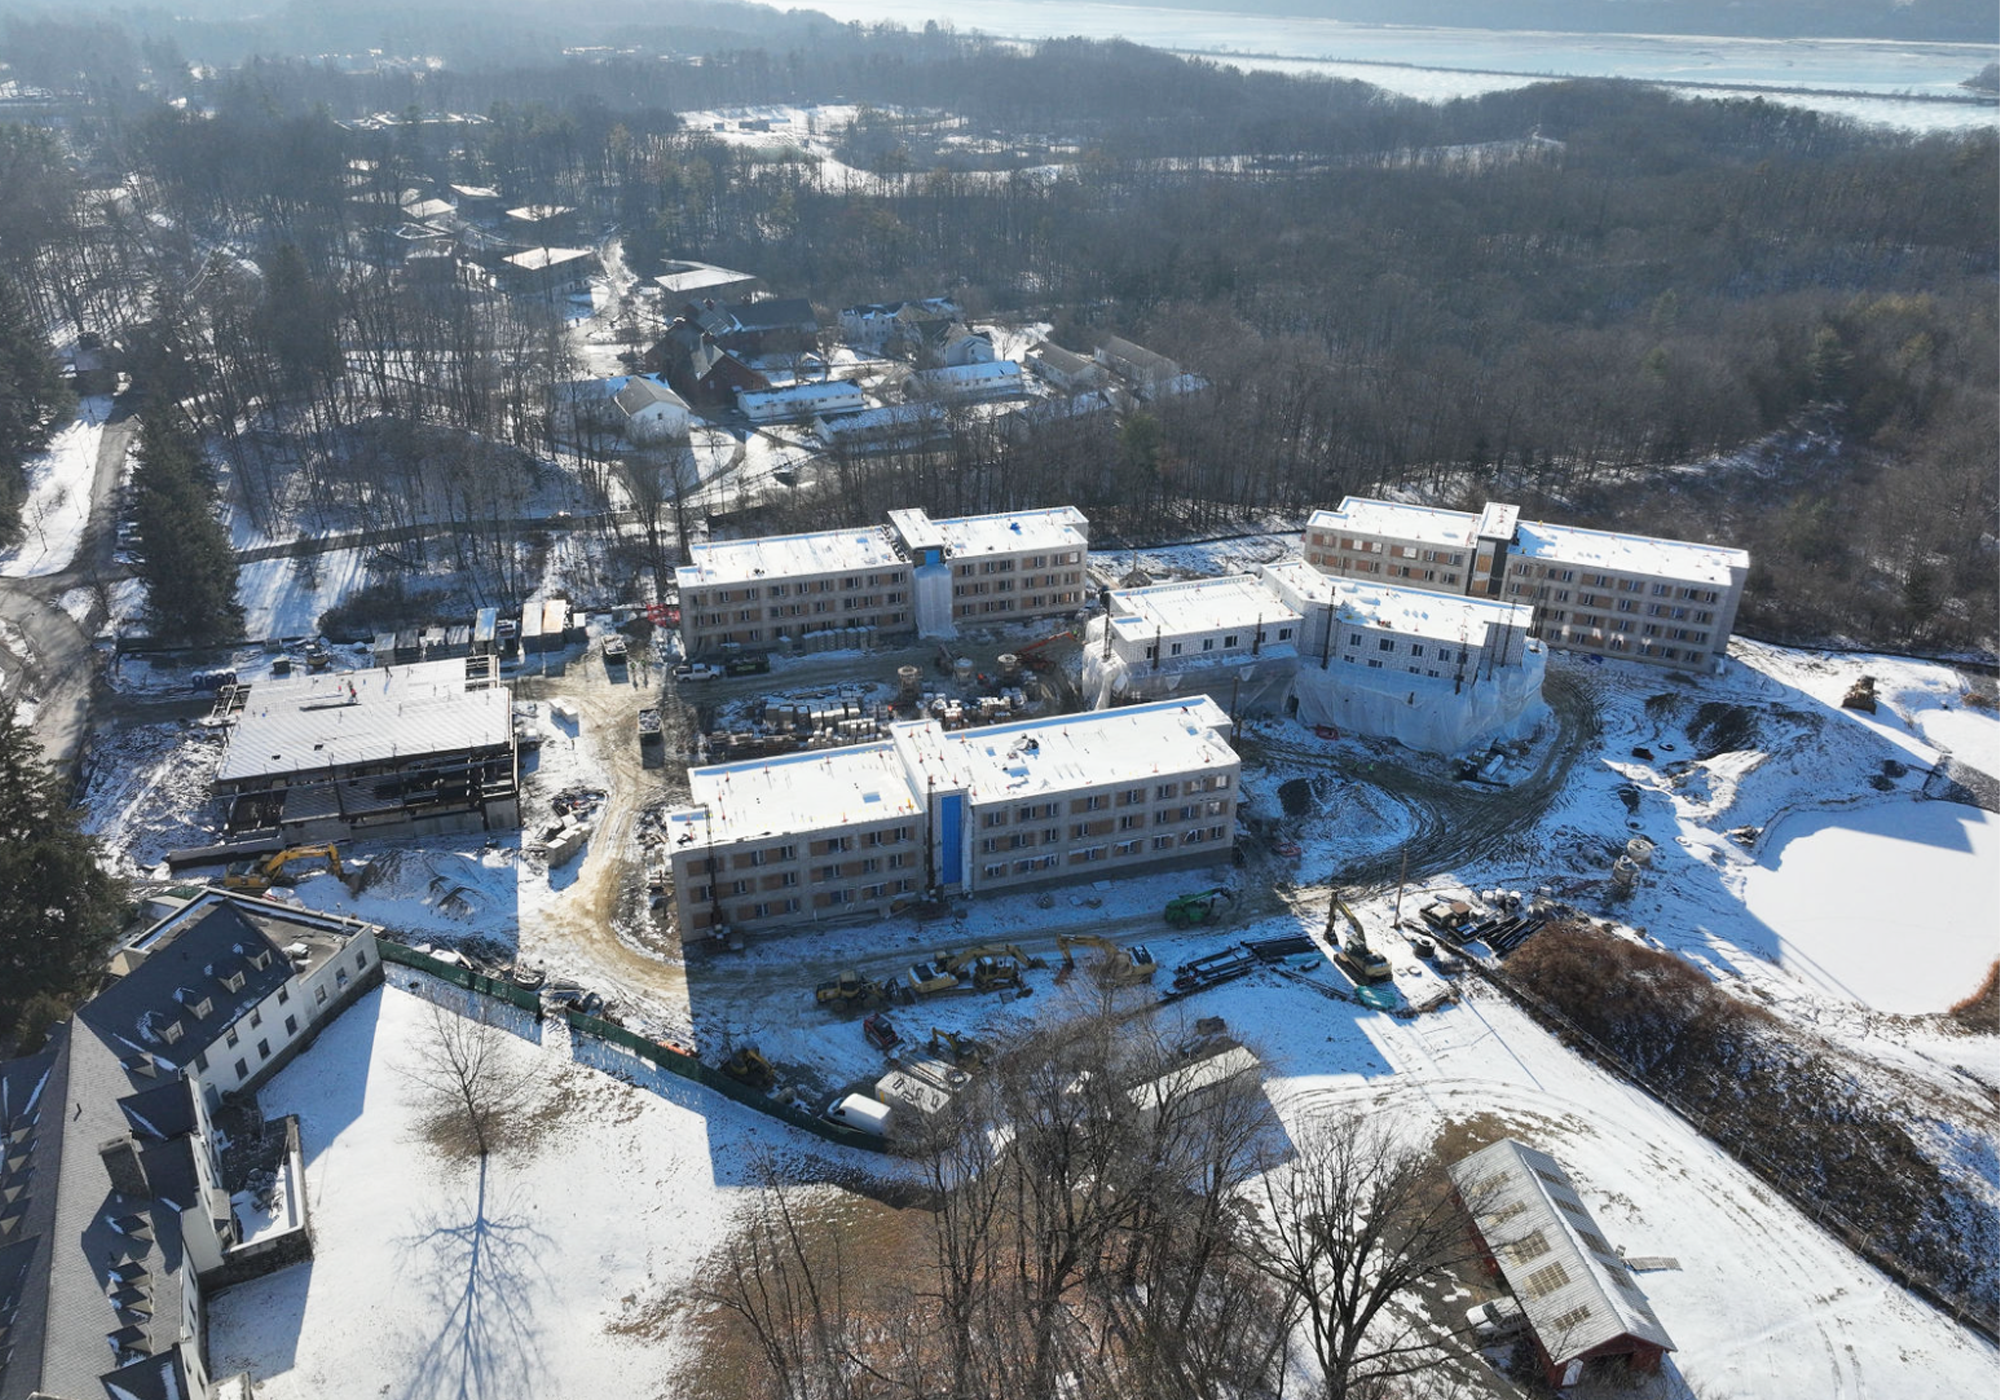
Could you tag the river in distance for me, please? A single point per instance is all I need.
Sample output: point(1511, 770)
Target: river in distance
point(1913, 86)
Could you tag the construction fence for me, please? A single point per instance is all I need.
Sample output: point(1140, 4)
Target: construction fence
point(672, 1059)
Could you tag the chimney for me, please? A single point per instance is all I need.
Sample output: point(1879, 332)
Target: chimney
point(121, 1163)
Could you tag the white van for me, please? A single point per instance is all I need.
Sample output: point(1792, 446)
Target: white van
point(861, 1113)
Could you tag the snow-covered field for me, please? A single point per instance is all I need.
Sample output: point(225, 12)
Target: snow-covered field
point(58, 505)
point(431, 1277)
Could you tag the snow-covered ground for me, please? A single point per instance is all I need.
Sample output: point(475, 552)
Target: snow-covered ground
point(431, 1277)
point(285, 597)
point(58, 504)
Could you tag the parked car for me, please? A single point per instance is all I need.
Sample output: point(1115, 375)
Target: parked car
point(1495, 1318)
point(697, 671)
point(747, 665)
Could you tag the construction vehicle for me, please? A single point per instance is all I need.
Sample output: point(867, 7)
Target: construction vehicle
point(614, 650)
point(959, 961)
point(1355, 957)
point(1133, 964)
point(1187, 910)
point(747, 1065)
point(850, 988)
point(1032, 654)
point(880, 1033)
point(962, 1049)
point(928, 979)
point(259, 875)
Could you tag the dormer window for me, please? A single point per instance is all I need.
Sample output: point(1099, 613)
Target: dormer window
point(202, 1008)
point(234, 981)
point(172, 1033)
point(261, 959)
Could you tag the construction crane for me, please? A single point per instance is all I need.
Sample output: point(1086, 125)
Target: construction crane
point(257, 876)
point(1133, 964)
point(1355, 957)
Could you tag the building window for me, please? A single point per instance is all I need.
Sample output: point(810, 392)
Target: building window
point(256, 1019)
point(242, 1070)
point(291, 1025)
point(229, 1038)
point(263, 1049)
point(1386, 644)
point(201, 1062)
point(284, 995)
point(319, 996)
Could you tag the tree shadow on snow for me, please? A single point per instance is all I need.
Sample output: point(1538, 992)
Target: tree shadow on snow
point(483, 1272)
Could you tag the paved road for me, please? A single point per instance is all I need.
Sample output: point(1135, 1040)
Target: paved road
point(59, 667)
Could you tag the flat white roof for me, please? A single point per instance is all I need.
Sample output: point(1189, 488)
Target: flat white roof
point(1442, 617)
point(310, 723)
point(692, 277)
point(1066, 753)
point(1011, 532)
point(786, 556)
point(1640, 554)
point(970, 374)
point(819, 391)
point(1197, 605)
point(535, 259)
point(1425, 524)
point(918, 530)
point(793, 794)
point(1568, 544)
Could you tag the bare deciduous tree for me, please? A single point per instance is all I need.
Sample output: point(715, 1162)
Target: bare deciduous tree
point(1355, 1225)
point(473, 1093)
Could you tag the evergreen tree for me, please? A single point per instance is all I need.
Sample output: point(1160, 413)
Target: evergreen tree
point(184, 553)
point(58, 909)
point(31, 392)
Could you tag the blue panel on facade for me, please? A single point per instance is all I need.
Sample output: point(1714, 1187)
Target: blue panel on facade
point(951, 821)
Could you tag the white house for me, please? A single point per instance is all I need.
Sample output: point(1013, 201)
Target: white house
point(996, 379)
point(652, 411)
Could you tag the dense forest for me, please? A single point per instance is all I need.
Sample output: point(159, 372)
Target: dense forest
point(1720, 319)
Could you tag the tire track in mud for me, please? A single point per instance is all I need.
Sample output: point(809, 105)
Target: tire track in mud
point(1457, 824)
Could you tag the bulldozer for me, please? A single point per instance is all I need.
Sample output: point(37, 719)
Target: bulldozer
point(1188, 910)
point(747, 1065)
point(1356, 958)
point(1133, 964)
point(994, 974)
point(256, 876)
point(962, 1049)
point(850, 988)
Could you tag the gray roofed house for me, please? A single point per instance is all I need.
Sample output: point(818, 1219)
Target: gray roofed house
point(652, 411)
point(115, 1213)
point(1581, 1301)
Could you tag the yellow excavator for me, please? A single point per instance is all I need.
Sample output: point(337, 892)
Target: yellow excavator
point(1359, 961)
point(958, 962)
point(963, 1049)
point(747, 1065)
point(1133, 964)
point(256, 876)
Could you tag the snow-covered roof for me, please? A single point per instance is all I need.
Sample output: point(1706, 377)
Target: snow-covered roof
point(684, 277)
point(1425, 524)
point(1639, 554)
point(962, 376)
point(786, 556)
point(1578, 1294)
point(1064, 753)
point(471, 191)
point(537, 259)
point(1197, 605)
point(1442, 617)
point(793, 794)
point(1567, 544)
point(425, 209)
point(1012, 532)
point(311, 723)
point(890, 421)
point(535, 213)
point(820, 394)
point(639, 393)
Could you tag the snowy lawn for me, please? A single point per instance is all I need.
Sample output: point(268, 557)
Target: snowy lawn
point(1892, 905)
point(433, 1277)
point(58, 504)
